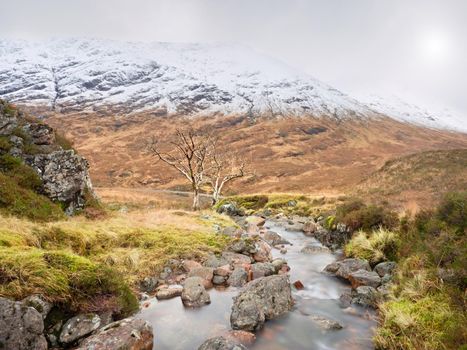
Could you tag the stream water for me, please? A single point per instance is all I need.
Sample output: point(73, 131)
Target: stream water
point(179, 328)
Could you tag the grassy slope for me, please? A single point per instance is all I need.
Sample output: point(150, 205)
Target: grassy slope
point(91, 265)
point(417, 180)
point(426, 308)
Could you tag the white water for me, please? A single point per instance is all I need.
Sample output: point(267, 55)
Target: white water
point(178, 328)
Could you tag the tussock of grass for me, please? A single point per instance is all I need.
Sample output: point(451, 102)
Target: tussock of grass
point(378, 246)
point(427, 323)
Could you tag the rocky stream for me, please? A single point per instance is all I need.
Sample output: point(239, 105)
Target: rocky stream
point(317, 320)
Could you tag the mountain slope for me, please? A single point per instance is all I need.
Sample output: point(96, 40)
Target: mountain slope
point(108, 76)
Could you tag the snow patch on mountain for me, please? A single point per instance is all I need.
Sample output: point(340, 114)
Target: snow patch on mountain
point(397, 108)
point(86, 75)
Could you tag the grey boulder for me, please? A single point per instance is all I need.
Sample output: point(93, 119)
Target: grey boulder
point(79, 326)
point(262, 299)
point(126, 334)
point(221, 343)
point(194, 294)
point(21, 327)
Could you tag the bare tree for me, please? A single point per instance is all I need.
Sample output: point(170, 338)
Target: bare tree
point(224, 166)
point(188, 153)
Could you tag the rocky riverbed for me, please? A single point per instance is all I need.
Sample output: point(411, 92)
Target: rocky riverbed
point(316, 318)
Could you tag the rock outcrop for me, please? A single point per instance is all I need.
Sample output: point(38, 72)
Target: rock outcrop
point(65, 177)
point(262, 299)
point(21, 327)
point(64, 174)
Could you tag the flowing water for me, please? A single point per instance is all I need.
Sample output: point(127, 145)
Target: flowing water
point(179, 328)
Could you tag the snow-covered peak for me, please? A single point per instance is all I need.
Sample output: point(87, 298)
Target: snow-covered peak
point(89, 75)
point(125, 77)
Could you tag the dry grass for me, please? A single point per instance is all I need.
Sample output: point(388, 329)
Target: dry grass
point(418, 180)
point(79, 261)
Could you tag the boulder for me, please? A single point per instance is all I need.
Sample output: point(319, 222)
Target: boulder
point(223, 271)
point(149, 284)
point(21, 327)
point(232, 231)
point(189, 265)
point(255, 220)
point(385, 268)
point(260, 300)
point(218, 280)
point(126, 334)
point(365, 296)
point(263, 253)
point(243, 337)
point(230, 209)
point(314, 249)
point(252, 230)
point(262, 270)
point(238, 278)
point(194, 294)
point(78, 327)
point(39, 303)
point(169, 292)
point(278, 263)
point(364, 278)
point(65, 178)
point(243, 246)
point(309, 228)
point(214, 261)
point(274, 238)
point(221, 343)
point(206, 273)
point(326, 323)
point(235, 258)
point(343, 268)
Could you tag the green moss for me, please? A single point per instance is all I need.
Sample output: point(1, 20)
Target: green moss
point(23, 202)
point(64, 278)
point(5, 144)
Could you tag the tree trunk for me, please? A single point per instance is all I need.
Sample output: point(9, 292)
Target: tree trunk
point(215, 197)
point(196, 199)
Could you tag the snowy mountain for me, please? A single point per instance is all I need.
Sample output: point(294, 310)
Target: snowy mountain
point(89, 75)
point(397, 108)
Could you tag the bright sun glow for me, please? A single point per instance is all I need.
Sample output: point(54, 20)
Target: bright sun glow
point(435, 47)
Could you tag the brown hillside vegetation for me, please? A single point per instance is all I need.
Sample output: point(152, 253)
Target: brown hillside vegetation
point(287, 154)
point(417, 180)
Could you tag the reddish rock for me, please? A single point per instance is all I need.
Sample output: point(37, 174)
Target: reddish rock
point(223, 271)
point(264, 252)
point(243, 337)
point(298, 285)
point(189, 265)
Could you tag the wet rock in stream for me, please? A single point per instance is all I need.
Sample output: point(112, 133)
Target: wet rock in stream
point(262, 299)
point(194, 294)
point(221, 343)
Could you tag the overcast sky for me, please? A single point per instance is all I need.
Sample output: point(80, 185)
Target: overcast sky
point(416, 49)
